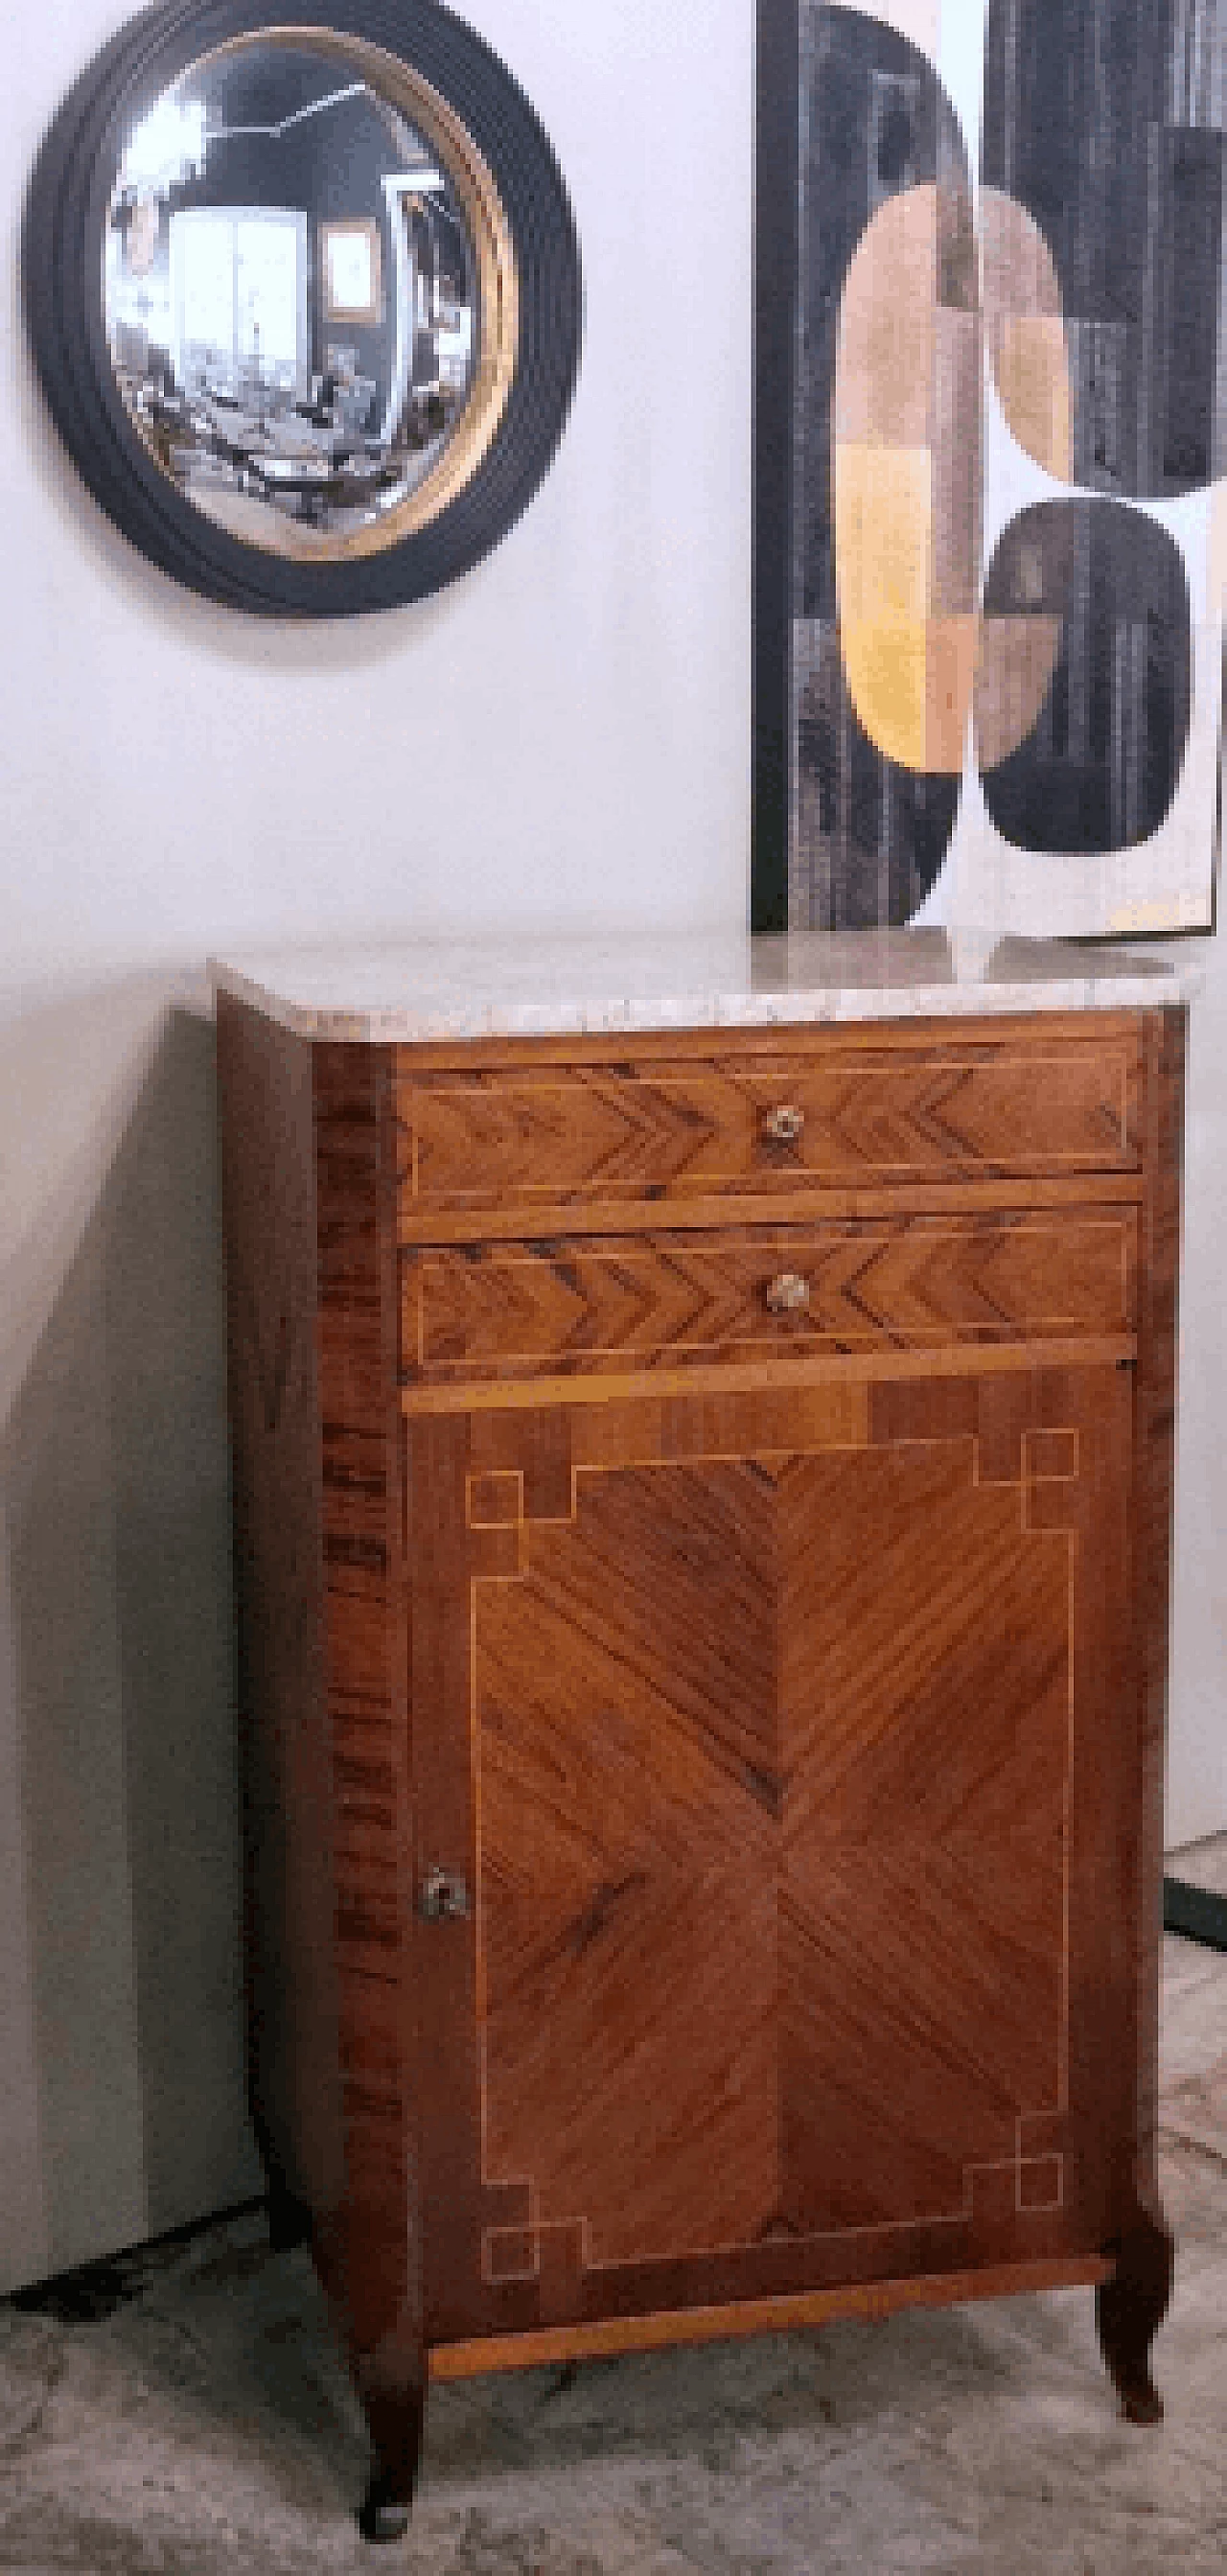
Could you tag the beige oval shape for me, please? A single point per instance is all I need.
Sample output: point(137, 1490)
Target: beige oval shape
point(906, 471)
point(1024, 326)
point(1018, 656)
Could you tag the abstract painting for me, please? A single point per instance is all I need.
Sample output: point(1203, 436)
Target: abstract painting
point(990, 464)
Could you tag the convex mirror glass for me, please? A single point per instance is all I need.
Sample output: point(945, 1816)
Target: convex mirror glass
point(293, 294)
point(305, 298)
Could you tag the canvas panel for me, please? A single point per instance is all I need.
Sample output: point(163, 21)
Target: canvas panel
point(987, 715)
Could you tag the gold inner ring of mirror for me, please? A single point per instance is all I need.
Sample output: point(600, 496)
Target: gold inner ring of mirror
point(497, 294)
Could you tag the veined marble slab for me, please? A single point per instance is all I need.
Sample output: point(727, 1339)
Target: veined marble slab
point(426, 992)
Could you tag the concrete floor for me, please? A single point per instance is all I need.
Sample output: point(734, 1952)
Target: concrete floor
point(202, 2421)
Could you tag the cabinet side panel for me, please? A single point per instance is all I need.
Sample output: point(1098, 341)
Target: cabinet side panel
point(269, 1222)
point(367, 2240)
point(1155, 1435)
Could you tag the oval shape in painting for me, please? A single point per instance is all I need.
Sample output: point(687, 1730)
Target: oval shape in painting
point(1095, 594)
point(869, 825)
point(1024, 325)
point(906, 474)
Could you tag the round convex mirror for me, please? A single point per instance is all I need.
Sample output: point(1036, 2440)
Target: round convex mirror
point(309, 314)
point(294, 298)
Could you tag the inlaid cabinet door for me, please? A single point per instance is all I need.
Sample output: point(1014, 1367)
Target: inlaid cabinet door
point(775, 1749)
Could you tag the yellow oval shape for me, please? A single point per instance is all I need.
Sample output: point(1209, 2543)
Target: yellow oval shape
point(906, 469)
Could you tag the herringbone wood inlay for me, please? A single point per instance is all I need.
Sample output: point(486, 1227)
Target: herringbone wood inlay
point(923, 1284)
point(754, 1790)
point(674, 1129)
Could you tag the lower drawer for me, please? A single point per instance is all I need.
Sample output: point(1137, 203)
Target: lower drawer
point(509, 1310)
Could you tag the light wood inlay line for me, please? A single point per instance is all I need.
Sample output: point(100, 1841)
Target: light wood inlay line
point(1041, 2182)
point(1051, 1457)
point(872, 2302)
point(854, 1368)
point(797, 1200)
point(496, 1499)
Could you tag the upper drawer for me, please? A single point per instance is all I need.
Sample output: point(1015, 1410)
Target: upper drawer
point(730, 1122)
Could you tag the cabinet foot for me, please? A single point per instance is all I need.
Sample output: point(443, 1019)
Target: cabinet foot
point(396, 2418)
point(381, 2517)
point(1130, 2308)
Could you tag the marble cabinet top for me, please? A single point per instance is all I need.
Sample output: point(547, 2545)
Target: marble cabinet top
point(433, 991)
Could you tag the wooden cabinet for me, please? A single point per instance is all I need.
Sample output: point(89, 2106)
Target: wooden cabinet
point(702, 1536)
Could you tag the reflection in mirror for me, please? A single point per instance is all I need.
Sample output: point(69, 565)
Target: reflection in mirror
point(292, 294)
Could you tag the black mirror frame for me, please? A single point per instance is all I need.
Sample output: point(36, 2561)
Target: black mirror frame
point(61, 261)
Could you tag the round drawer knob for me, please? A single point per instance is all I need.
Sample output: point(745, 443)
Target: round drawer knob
point(443, 1896)
point(789, 1294)
point(784, 1126)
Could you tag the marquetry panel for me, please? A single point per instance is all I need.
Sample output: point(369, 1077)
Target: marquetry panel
point(921, 1283)
point(772, 1758)
point(626, 1710)
point(658, 1129)
point(925, 1713)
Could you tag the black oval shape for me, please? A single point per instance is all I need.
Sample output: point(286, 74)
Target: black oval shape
point(1100, 766)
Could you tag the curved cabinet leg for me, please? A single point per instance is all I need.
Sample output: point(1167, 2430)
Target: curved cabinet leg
point(1130, 2308)
point(395, 2411)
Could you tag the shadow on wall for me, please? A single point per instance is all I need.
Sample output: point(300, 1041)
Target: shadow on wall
point(114, 1512)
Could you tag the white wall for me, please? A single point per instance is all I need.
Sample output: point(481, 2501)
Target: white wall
point(531, 745)
point(560, 741)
